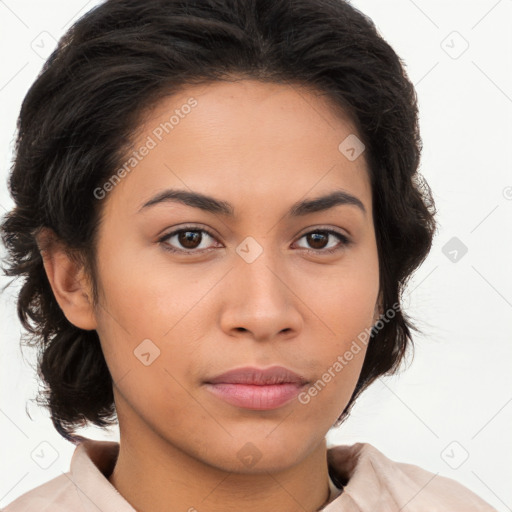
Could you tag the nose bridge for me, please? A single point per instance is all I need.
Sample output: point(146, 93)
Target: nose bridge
point(259, 299)
point(257, 268)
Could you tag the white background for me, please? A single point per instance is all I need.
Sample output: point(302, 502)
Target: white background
point(450, 411)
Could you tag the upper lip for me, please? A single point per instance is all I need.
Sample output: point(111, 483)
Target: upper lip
point(258, 376)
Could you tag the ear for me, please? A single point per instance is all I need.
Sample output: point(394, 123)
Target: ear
point(68, 280)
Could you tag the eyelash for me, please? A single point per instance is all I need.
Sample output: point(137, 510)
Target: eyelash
point(345, 242)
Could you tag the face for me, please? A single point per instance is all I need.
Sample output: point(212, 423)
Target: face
point(191, 290)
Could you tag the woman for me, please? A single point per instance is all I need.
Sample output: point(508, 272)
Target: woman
point(216, 211)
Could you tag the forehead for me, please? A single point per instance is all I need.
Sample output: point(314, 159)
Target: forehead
point(246, 141)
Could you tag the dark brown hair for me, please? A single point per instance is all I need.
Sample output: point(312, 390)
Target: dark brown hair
point(119, 60)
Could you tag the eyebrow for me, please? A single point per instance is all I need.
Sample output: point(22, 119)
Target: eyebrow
point(217, 206)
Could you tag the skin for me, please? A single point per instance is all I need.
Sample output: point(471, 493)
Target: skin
point(260, 147)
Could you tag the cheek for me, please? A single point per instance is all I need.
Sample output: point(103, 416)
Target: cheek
point(345, 307)
point(145, 296)
point(152, 324)
point(345, 298)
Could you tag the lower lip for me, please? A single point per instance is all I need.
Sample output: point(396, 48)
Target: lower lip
point(254, 396)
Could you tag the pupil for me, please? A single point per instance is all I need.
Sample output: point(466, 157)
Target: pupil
point(189, 239)
point(315, 238)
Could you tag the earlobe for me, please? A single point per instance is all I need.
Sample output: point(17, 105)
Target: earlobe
point(68, 282)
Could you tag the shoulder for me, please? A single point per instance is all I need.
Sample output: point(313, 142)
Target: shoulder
point(84, 487)
point(373, 482)
point(57, 495)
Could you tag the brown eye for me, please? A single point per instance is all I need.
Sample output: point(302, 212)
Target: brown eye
point(187, 240)
point(318, 241)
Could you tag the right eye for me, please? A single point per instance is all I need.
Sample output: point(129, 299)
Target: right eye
point(189, 238)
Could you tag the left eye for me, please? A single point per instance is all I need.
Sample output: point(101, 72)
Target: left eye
point(319, 236)
point(191, 240)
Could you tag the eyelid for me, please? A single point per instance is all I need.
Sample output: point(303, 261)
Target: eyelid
point(328, 229)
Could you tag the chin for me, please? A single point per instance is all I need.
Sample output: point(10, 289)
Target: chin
point(261, 453)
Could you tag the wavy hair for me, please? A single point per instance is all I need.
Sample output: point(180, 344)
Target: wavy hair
point(116, 62)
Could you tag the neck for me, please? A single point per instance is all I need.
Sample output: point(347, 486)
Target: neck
point(154, 475)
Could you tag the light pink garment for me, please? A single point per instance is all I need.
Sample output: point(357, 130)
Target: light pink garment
point(375, 484)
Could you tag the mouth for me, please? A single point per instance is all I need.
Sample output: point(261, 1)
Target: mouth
point(255, 388)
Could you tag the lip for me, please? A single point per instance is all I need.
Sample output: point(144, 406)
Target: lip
point(257, 388)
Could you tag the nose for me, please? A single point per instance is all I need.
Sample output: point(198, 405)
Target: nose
point(259, 301)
